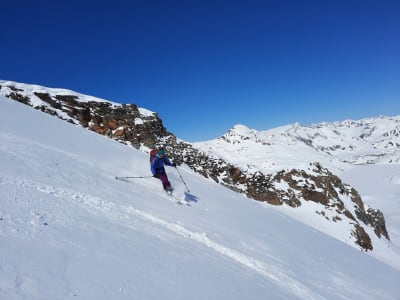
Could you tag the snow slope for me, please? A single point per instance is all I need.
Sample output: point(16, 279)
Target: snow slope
point(379, 186)
point(69, 230)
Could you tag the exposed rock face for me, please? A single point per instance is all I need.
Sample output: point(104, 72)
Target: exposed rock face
point(337, 200)
point(131, 125)
point(123, 122)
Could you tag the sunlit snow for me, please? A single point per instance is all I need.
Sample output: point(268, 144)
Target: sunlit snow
point(69, 230)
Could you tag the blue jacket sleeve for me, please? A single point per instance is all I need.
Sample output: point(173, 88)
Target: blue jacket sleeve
point(153, 166)
point(167, 162)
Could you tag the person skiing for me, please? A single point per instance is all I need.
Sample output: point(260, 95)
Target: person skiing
point(157, 163)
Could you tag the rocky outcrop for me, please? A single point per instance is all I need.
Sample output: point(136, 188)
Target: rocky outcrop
point(338, 201)
point(15, 95)
point(129, 125)
point(123, 122)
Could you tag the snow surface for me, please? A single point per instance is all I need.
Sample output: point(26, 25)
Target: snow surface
point(69, 230)
point(379, 187)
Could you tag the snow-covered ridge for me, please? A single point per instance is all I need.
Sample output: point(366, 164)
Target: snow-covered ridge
point(30, 91)
point(127, 123)
point(336, 145)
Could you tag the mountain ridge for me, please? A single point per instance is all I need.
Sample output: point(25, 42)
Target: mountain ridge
point(366, 141)
point(297, 184)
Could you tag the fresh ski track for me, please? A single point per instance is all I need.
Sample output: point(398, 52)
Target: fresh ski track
point(127, 216)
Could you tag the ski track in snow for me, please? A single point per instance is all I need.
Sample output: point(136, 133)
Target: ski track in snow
point(122, 215)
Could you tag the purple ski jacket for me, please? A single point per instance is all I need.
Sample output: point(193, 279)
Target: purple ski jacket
point(157, 164)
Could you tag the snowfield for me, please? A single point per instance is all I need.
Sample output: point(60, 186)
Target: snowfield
point(69, 230)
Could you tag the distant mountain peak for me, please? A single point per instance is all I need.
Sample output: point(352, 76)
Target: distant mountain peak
point(240, 128)
point(365, 141)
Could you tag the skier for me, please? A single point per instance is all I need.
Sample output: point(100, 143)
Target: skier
point(157, 162)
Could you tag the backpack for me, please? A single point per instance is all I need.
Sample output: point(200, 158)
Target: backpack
point(152, 153)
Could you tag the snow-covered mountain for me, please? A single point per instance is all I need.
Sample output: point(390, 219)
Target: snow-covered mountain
point(371, 145)
point(69, 230)
point(297, 166)
point(129, 124)
point(338, 145)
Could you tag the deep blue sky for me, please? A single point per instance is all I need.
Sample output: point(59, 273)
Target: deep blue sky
point(205, 66)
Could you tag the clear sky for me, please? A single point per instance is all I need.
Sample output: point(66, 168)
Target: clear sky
point(205, 66)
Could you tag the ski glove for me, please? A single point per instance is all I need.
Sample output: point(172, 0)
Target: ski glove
point(155, 175)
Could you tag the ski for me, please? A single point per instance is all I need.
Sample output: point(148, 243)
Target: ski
point(169, 193)
point(176, 199)
point(181, 201)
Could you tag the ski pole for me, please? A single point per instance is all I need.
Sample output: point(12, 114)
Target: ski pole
point(130, 177)
point(180, 175)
